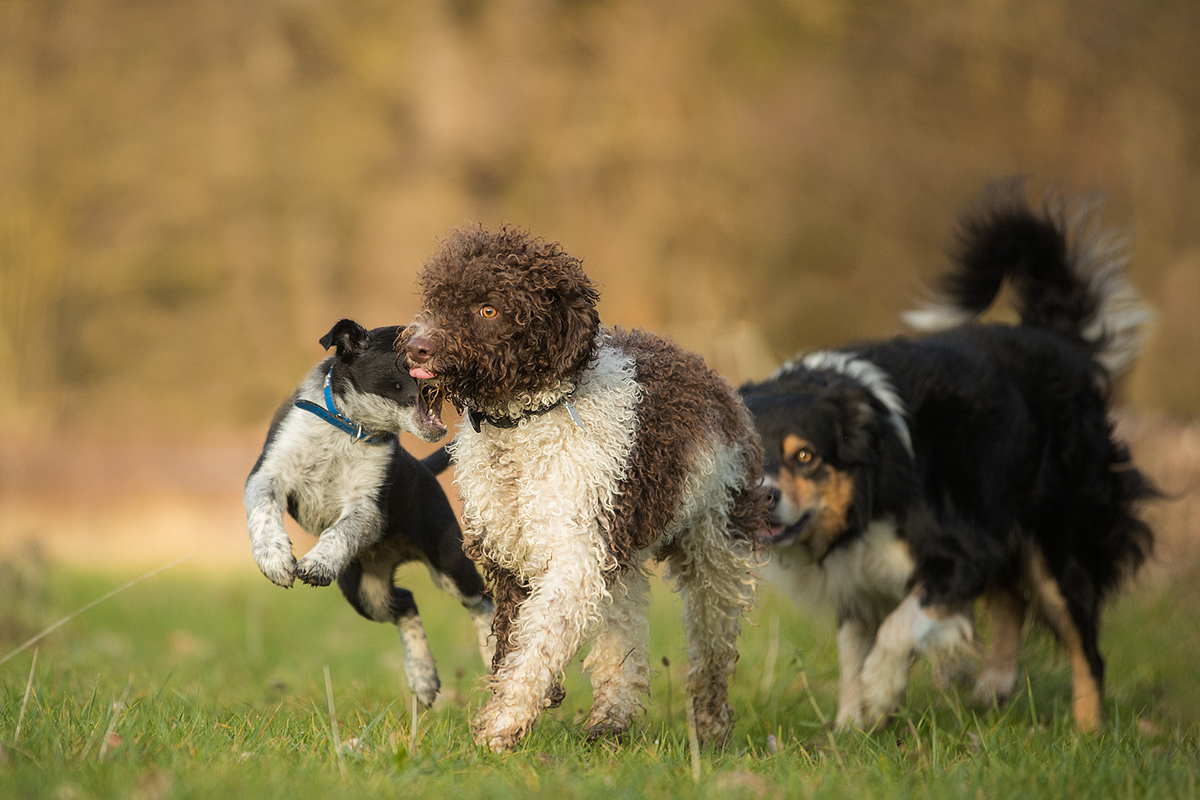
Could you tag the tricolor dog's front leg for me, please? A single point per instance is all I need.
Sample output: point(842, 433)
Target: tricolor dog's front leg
point(563, 605)
point(854, 641)
point(269, 542)
point(912, 627)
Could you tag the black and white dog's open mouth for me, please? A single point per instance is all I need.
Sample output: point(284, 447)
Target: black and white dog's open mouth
point(429, 404)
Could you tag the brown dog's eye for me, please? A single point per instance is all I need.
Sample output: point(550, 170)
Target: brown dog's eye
point(488, 312)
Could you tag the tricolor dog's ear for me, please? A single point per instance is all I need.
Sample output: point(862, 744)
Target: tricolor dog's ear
point(347, 335)
point(858, 427)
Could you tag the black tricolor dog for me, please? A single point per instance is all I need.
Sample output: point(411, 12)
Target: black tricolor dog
point(333, 460)
point(913, 475)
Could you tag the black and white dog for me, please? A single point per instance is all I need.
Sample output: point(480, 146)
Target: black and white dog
point(913, 475)
point(333, 461)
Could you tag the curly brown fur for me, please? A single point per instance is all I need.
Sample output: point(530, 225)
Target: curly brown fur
point(590, 451)
point(673, 379)
point(545, 333)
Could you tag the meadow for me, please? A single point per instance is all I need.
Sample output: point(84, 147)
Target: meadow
point(192, 192)
point(195, 683)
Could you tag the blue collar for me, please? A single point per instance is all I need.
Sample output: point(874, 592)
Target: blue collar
point(331, 415)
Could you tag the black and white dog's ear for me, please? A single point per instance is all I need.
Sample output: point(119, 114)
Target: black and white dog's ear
point(347, 335)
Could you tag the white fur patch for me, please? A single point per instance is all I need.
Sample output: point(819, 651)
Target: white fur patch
point(872, 378)
point(527, 487)
point(377, 413)
point(854, 640)
point(864, 578)
point(907, 630)
point(936, 316)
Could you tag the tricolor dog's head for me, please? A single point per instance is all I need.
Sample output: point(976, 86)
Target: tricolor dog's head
point(825, 452)
point(506, 317)
point(371, 388)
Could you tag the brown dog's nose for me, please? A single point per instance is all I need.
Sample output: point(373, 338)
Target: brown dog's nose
point(421, 349)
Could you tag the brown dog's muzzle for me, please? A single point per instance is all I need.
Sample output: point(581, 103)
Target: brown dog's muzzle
point(421, 349)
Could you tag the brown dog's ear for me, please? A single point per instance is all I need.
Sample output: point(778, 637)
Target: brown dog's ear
point(347, 335)
point(578, 324)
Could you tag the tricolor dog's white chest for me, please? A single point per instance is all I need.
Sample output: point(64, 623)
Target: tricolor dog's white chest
point(866, 577)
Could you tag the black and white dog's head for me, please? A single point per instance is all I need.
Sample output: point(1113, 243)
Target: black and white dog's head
point(372, 390)
point(834, 456)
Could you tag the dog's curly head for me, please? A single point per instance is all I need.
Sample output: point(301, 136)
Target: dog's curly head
point(506, 315)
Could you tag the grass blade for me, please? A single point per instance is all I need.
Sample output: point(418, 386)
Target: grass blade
point(118, 707)
point(47, 631)
point(337, 742)
point(693, 740)
point(25, 699)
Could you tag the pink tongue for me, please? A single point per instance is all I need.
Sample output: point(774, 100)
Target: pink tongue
point(420, 373)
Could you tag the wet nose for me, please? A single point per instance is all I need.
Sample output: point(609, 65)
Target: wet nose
point(421, 349)
point(773, 495)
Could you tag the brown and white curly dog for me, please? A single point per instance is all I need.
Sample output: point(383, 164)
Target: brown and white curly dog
point(584, 452)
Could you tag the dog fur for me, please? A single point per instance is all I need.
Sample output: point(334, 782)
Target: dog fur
point(914, 475)
point(373, 505)
point(586, 451)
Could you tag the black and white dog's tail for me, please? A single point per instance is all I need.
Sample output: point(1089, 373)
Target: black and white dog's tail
point(1065, 271)
point(437, 461)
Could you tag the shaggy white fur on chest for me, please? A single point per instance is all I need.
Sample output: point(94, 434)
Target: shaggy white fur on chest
point(530, 491)
point(865, 578)
point(324, 469)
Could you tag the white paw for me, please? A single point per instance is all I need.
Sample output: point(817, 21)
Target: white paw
point(277, 563)
point(994, 686)
point(423, 680)
point(499, 727)
point(849, 717)
point(884, 681)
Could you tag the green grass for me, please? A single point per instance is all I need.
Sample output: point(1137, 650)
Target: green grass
point(225, 696)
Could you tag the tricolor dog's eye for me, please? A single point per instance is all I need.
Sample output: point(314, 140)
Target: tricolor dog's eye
point(488, 312)
point(804, 456)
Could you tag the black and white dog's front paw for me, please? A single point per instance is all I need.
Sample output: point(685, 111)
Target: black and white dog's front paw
point(278, 564)
point(314, 571)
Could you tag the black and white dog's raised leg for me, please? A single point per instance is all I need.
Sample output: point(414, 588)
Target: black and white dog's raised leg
point(360, 526)
point(368, 585)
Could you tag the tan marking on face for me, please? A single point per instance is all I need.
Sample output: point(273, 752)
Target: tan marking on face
point(1086, 691)
point(808, 484)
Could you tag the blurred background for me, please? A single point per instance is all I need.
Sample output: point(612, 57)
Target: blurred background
point(192, 192)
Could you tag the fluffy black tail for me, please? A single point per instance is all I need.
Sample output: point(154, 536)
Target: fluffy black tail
point(1066, 274)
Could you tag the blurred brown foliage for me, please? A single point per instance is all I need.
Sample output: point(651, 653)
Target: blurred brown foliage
point(193, 191)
